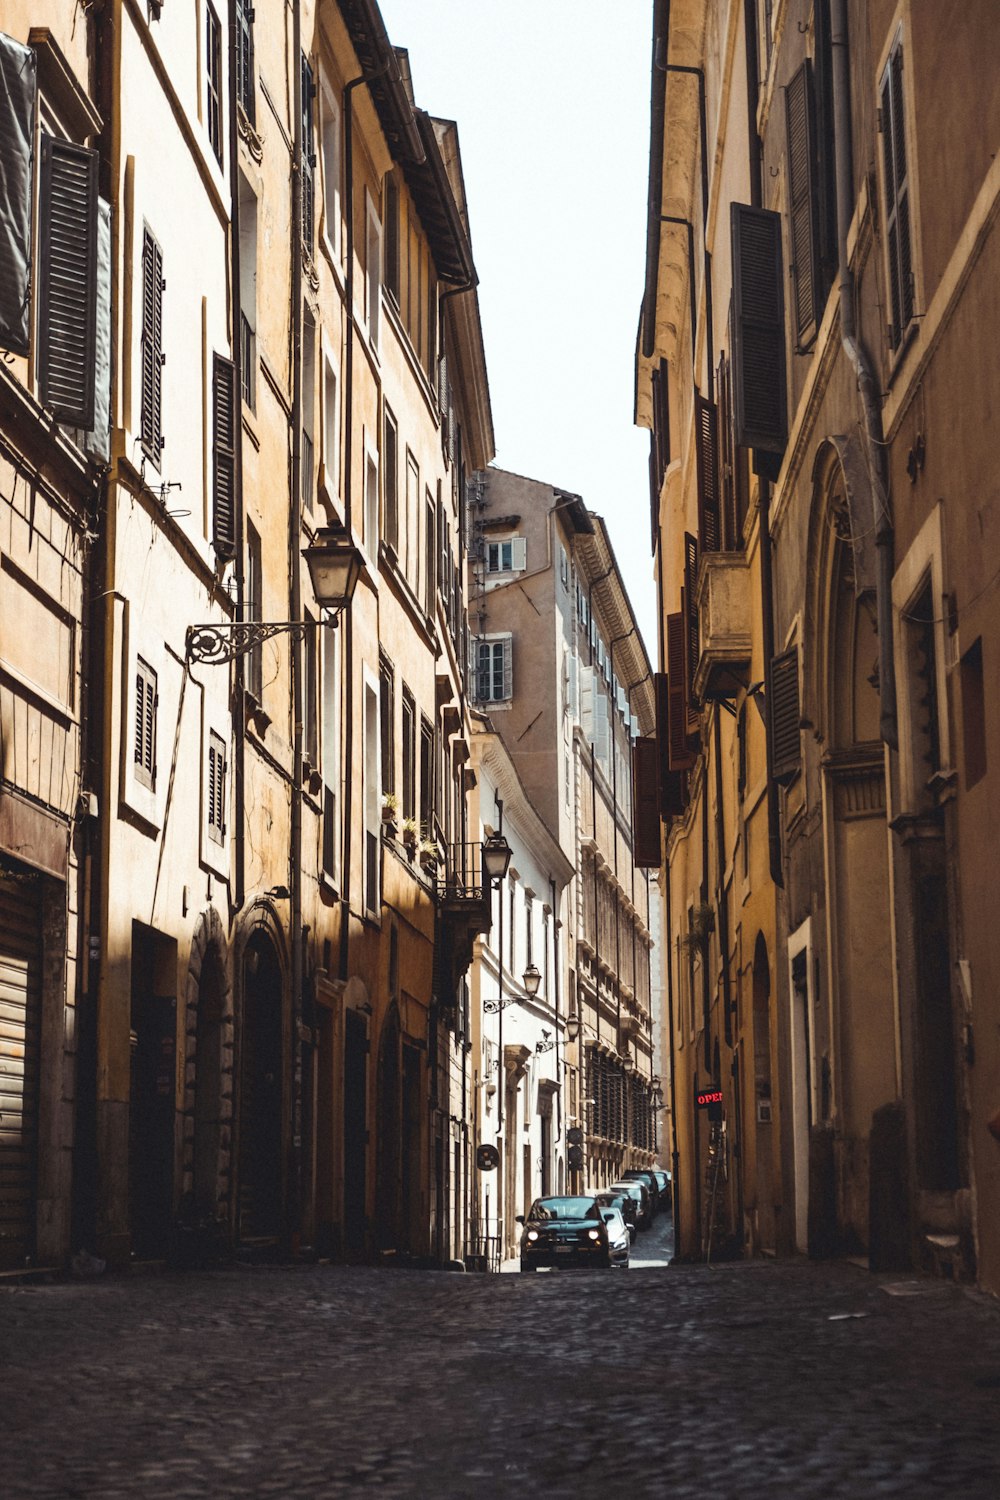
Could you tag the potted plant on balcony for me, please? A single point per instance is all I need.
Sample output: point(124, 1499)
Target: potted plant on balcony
point(428, 855)
point(390, 807)
point(410, 834)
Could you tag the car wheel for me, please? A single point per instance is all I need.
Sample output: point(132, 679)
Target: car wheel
point(528, 1270)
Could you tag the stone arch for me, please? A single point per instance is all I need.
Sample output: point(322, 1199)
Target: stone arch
point(208, 1073)
point(263, 1118)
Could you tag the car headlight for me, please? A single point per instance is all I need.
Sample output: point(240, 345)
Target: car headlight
point(532, 1234)
point(593, 1234)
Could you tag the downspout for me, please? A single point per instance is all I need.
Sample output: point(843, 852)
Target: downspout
point(867, 385)
point(674, 1154)
point(295, 601)
point(721, 904)
point(556, 998)
point(239, 719)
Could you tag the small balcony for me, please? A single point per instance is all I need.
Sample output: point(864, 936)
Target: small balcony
point(464, 910)
point(724, 625)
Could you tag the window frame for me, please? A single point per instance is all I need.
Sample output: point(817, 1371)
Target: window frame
point(213, 81)
point(498, 639)
point(144, 723)
point(331, 125)
point(216, 788)
point(373, 291)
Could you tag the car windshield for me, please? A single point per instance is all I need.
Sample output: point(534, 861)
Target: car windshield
point(634, 1189)
point(563, 1208)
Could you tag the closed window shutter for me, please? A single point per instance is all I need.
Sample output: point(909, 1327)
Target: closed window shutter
point(97, 442)
point(645, 805)
point(690, 608)
point(670, 783)
point(897, 197)
point(758, 353)
point(800, 121)
point(145, 724)
point(518, 554)
point(308, 158)
point(151, 419)
point(783, 715)
point(244, 59)
point(67, 309)
point(508, 668)
point(679, 756)
point(18, 91)
point(708, 475)
point(224, 456)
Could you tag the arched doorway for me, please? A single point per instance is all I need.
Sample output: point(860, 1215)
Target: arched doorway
point(388, 1180)
point(208, 1090)
point(261, 1176)
point(763, 1104)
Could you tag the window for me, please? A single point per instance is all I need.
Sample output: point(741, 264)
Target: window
point(372, 800)
point(409, 755)
point(563, 567)
point(411, 518)
point(757, 333)
point(216, 789)
point(224, 456)
point(391, 269)
point(426, 778)
point(308, 458)
point(390, 481)
point(331, 748)
point(373, 273)
point(308, 159)
point(896, 188)
point(213, 80)
point(783, 715)
point(529, 917)
point(310, 706)
point(248, 291)
point(492, 676)
point(922, 664)
point(151, 415)
point(432, 328)
point(331, 173)
point(430, 553)
point(331, 426)
point(506, 556)
point(387, 707)
point(371, 505)
point(253, 611)
point(245, 92)
point(146, 700)
point(973, 714)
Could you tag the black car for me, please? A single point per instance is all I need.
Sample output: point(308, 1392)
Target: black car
point(666, 1189)
point(569, 1231)
point(645, 1210)
point(626, 1205)
point(635, 1174)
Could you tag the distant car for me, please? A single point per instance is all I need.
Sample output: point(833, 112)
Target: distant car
point(570, 1231)
point(634, 1174)
point(643, 1197)
point(626, 1205)
point(666, 1189)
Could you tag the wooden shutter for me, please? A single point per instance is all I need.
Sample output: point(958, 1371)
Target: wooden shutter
point(21, 989)
point(671, 783)
point(708, 474)
point(18, 93)
point(897, 197)
point(390, 482)
point(758, 353)
point(224, 456)
point(144, 752)
point(308, 157)
point(679, 756)
point(151, 419)
point(689, 605)
point(724, 449)
point(783, 715)
point(67, 316)
point(244, 59)
point(645, 804)
point(800, 121)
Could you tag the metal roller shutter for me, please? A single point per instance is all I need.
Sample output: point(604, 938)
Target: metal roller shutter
point(20, 1028)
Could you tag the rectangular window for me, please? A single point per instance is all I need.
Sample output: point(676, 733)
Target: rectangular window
point(387, 707)
point(973, 714)
point(308, 159)
point(310, 706)
point(426, 779)
point(308, 457)
point(223, 456)
point(492, 669)
point(390, 481)
point(409, 755)
point(896, 188)
point(216, 790)
point(430, 553)
point(248, 291)
point(331, 173)
point(331, 427)
point(331, 749)
point(373, 273)
point(507, 556)
point(371, 506)
point(67, 301)
point(392, 237)
point(372, 800)
point(432, 328)
point(245, 92)
point(213, 80)
point(151, 417)
point(411, 519)
point(144, 751)
point(253, 611)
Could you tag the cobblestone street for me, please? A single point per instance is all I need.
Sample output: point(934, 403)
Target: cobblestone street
point(757, 1379)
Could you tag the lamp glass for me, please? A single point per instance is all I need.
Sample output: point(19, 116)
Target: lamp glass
point(496, 856)
point(572, 1028)
point(628, 1063)
point(531, 979)
point(334, 567)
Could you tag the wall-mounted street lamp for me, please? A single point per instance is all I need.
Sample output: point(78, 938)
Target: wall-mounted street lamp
point(334, 566)
point(530, 979)
point(547, 1043)
point(628, 1062)
point(573, 1028)
point(496, 857)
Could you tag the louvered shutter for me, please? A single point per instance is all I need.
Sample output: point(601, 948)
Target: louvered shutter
point(708, 474)
point(783, 715)
point(244, 59)
point(758, 353)
point(308, 158)
point(724, 449)
point(670, 782)
point(97, 442)
point(690, 608)
point(67, 307)
point(679, 754)
point(897, 197)
point(224, 456)
point(518, 554)
point(18, 91)
point(645, 805)
point(151, 418)
point(800, 122)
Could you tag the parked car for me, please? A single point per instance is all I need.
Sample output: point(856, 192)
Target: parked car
point(570, 1231)
point(643, 1197)
point(666, 1189)
point(619, 1238)
point(626, 1205)
point(635, 1174)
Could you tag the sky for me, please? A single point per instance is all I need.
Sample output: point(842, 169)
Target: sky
point(552, 103)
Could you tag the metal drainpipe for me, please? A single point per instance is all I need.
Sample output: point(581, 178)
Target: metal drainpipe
point(867, 385)
point(721, 904)
point(239, 721)
point(556, 998)
point(295, 581)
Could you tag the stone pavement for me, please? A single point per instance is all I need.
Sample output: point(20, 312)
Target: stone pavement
point(763, 1379)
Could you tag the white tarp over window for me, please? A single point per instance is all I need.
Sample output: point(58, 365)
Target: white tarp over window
point(18, 87)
